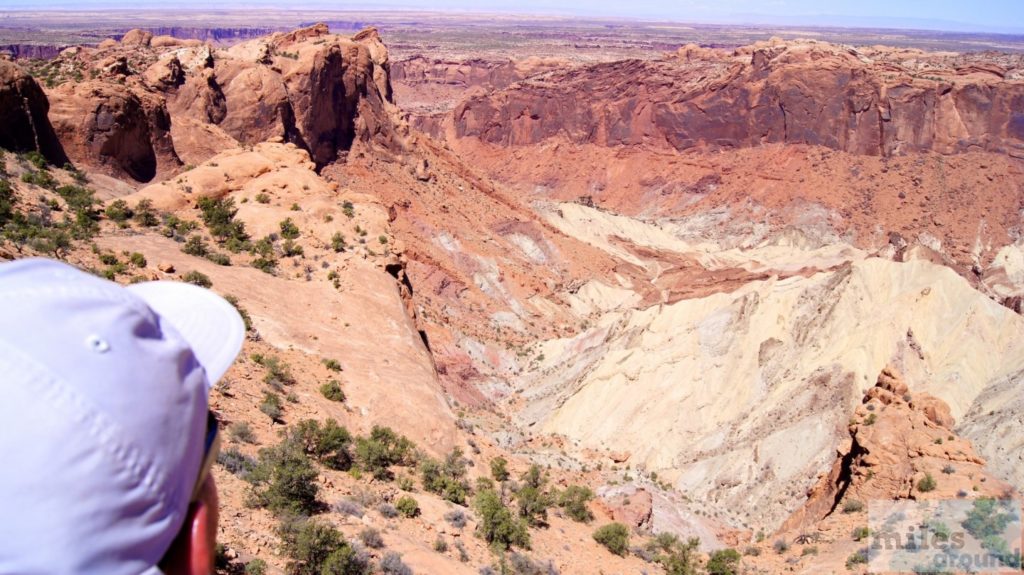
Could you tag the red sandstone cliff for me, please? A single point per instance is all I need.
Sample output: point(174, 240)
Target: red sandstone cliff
point(880, 102)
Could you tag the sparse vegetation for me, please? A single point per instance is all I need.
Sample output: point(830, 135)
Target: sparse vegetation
point(332, 391)
point(859, 557)
point(499, 469)
point(195, 246)
point(256, 567)
point(327, 443)
point(317, 548)
point(724, 562)
point(382, 449)
point(279, 373)
point(332, 364)
point(677, 557)
point(144, 214)
point(284, 480)
point(219, 217)
point(852, 506)
point(927, 483)
point(456, 518)
point(371, 538)
point(118, 211)
point(391, 564)
point(533, 501)
point(289, 230)
point(387, 510)
point(614, 537)
point(236, 462)
point(497, 525)
point(861, 533)
point(407, 506)
point(338, 242)
point(242, 432)
point(447, 478)
point(574, 501)
point(197, 278)
point(271, 406)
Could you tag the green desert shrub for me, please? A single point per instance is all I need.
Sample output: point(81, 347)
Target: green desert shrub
point(118, 211)
point(195, 246)
point(407, 506)
point(614, 537)
point(219, 217)
point(289, 230)
point(498, 526)
point(271, 406)
point(446, 478)
point(197, 278)
point(927, 484)
point(574, 501)
point(852, 506)
point(332, 391)
point(317, 548)
point(382, 449)
point(499, 469)
point(724, 562)
point(328, 443)
point(284, 480)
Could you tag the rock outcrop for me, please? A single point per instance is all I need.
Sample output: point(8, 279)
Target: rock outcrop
point(322, 92)
point(24, 124)
point(122, 129)
point(487, 74)
point(799, 92)
point(897, 439)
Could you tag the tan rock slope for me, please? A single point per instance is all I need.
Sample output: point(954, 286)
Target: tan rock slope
point(362, 322)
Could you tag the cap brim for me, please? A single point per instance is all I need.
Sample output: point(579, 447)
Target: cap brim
point(209, 324)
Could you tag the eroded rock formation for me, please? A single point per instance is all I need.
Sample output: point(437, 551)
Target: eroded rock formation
point(150, 101)
point(897, 439)
point(24, 124)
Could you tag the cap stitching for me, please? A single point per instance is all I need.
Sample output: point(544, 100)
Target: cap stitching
point(128, 456)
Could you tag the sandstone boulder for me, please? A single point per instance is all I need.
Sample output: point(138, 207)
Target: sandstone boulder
point(138, 38)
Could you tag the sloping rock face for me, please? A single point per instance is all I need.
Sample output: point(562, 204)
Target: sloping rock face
point(874, 103)
point(24, 124)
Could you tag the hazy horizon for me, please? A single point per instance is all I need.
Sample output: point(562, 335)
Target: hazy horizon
point(999, 16)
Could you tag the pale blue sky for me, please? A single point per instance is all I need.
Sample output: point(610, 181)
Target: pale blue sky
point(981, 15)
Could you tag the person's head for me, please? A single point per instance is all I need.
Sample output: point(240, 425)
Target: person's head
point(106, 437)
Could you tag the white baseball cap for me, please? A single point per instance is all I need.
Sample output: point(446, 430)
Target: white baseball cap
point(104, 395)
